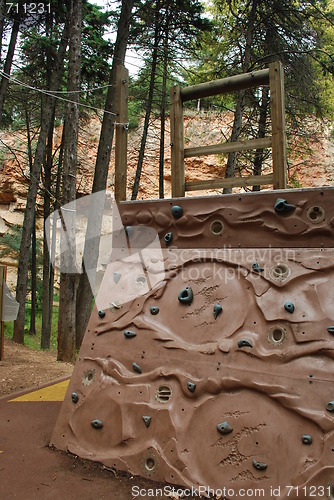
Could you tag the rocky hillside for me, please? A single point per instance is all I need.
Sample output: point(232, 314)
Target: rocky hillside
point(307, 168)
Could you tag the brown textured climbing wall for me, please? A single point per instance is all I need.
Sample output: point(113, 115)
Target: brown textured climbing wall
point(220, 373)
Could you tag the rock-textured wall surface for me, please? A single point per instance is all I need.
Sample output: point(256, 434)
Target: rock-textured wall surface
point(219, 373)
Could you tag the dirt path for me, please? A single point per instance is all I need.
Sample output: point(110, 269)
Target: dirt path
point(22, 367)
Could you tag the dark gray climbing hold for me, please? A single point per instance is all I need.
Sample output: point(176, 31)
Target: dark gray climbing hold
point(129, 231)
point(154, 310)
point(217, 309)
point(330, 329)
point(147, 420)
point(75, 397)
point(289, 306)
point(186, 295)
point(259, 465)
point(97, 424)
point(168, 238)
point(136, 368)
point(256, 268)
point(245, 343)
point(330, 406)
point(191, 387)
point(282, 206)
point(117, 277)
point(224, 428)
point(101, 314)
point(129, 334)
point(177, 212)
point(306, 439)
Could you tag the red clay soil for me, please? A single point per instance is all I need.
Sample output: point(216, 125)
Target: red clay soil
point(30, 469)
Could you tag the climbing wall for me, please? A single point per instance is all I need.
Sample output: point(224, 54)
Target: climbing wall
point(219, 373)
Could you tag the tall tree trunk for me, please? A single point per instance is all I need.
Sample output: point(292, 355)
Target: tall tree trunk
point(259, 153)
point(148, 104)
point(29, 214)
point(8, 63)
point(68, 282)
point(2, 22)
point(232, 157)
point(163, 118)
point(85, 293)
point(33, 271)
point(33, 267)
point(46, 313)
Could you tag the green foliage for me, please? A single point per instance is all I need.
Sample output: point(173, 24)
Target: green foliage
point(34, 341)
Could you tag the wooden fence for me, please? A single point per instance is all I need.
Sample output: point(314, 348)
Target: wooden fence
point(272, 76)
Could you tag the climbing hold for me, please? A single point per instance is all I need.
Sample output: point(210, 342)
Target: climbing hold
point(154, 310)
point(129, 231)
point(168, 238)
point(97, 424)
point(224, 428)
point(330, 406)
point(129, 334)
point(330, 329)
point(101, 314)
point(256, 268)
point(289, 306)
point(306, 439)
point(259, 465)
point(177, 211)
point(244, 343)
point(136, 368)
point(147, 420)
point(117, 277)
point(186, 295)
point(191, 387)
point(217, 309)
point(75, 397)
point(282, 206)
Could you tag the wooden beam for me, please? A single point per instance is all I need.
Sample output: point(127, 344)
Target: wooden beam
point(227, 147)
point(225, 85)
point(252, 180)
point(2, 339)
point(276, 77)
point(177, 142)
point(121, 136)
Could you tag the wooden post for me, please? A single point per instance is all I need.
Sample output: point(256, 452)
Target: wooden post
point(177, 142)
point(121, 139)
point(2, 279)
point(276, 81)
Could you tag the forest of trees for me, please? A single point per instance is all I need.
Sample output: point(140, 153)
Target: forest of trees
point(58, 63)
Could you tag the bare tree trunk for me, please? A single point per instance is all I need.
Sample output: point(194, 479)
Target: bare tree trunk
point(29, 214)
point(163, 119)
point(2, 21)
point(33, 267)
point(232, 157)
point(8, 63)
point(259, 153)
point(85, 293)
point(68, 282)
point(33, 271)
point(148, 105)
point(46, 318)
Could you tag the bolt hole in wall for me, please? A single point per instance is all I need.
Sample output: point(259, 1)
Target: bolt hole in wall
point(150, 464)
point(280, 272)
point(316, 214)
point(217, 227)
point(277, 335)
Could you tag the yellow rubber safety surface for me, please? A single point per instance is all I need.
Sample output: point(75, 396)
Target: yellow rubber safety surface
point(55, 392)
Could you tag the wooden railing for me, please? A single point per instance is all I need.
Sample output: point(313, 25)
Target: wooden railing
point(272, 76)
